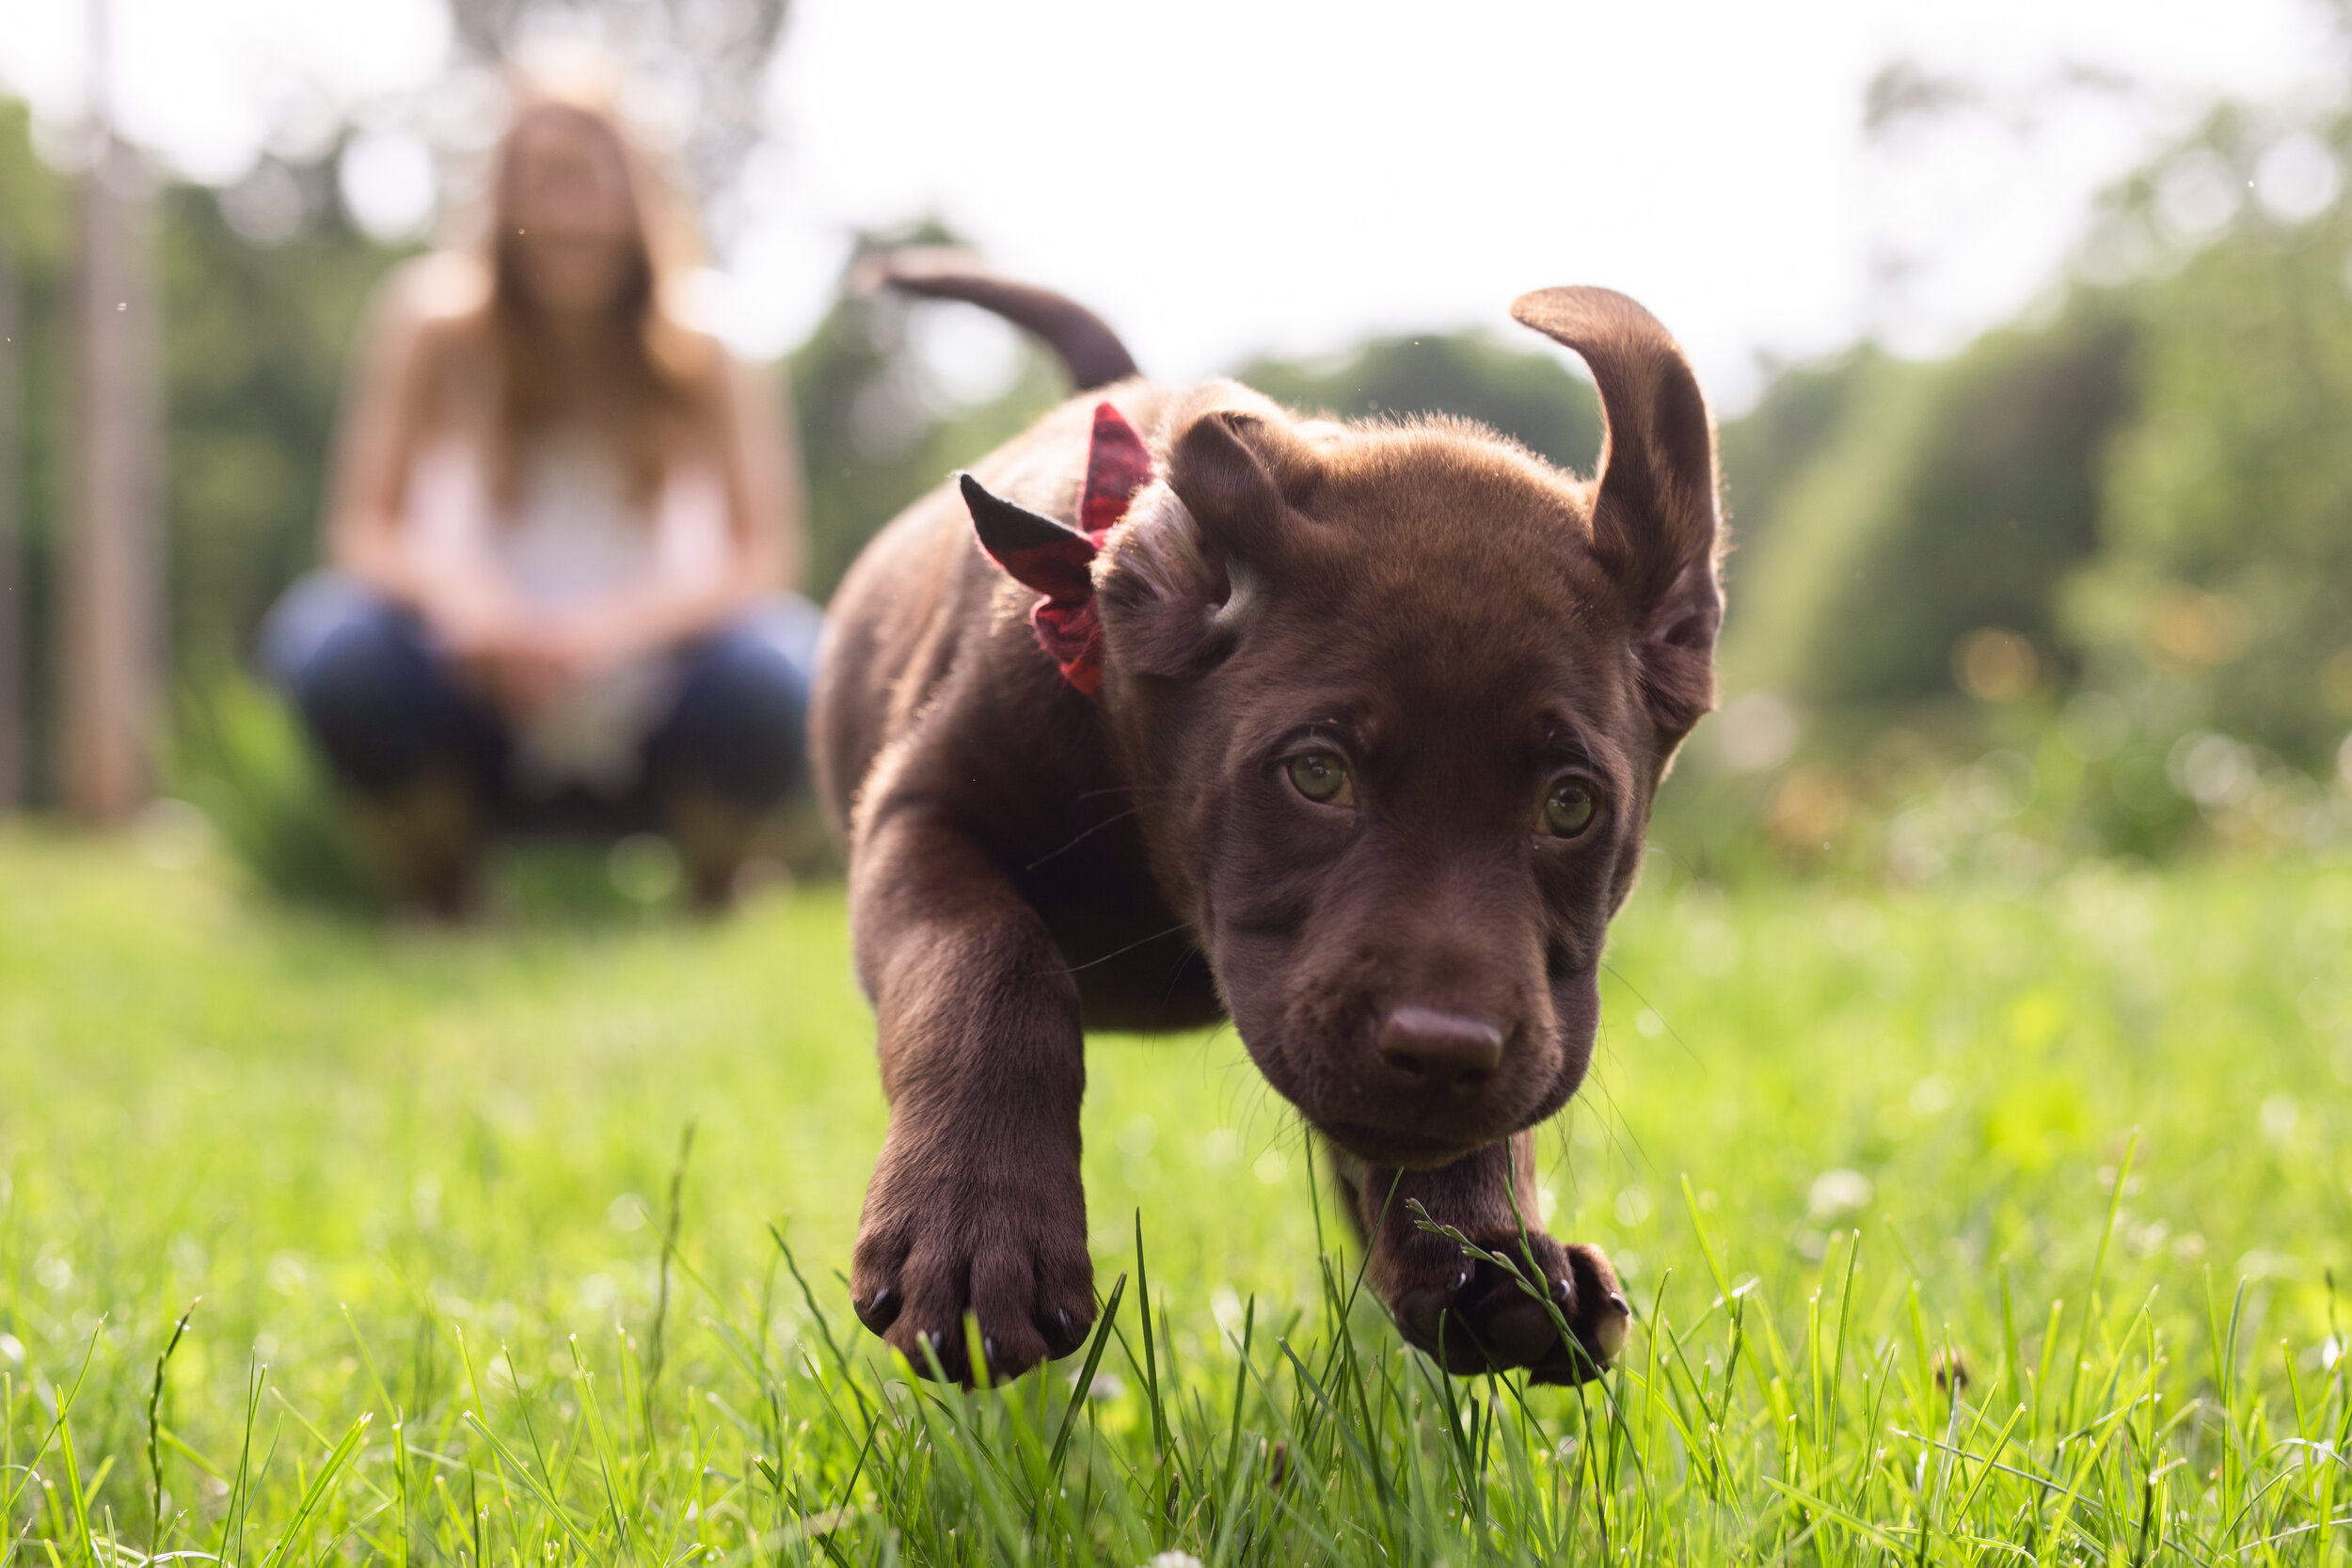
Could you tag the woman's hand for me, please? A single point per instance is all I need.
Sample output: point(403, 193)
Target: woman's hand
point(511, 658)
point(522, 660)
point(585, 642)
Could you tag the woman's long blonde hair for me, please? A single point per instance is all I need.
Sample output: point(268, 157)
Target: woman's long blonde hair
point(658, 369)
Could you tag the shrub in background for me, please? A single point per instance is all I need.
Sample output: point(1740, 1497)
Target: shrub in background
point(241, 758)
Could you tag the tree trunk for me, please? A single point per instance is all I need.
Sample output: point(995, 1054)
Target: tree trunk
point(113, 598)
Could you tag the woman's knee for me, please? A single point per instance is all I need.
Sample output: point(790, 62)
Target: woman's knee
point(741, 725)
point(370, 690)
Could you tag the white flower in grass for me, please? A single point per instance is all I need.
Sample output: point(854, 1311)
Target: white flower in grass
point(1173, 1558)
point(1106, 1386)
point(1839, 1191)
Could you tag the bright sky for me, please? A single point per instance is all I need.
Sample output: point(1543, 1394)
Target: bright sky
point(1234, 176)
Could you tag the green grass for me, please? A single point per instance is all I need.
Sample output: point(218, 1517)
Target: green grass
point(2089, 1143)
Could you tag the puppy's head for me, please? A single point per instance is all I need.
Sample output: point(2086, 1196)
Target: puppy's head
point(1402, 695)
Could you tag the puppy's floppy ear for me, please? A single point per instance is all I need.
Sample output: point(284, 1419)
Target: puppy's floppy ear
point(1035, 550)
point(1655, 517)
point(1216, 470)
point(1178, 576)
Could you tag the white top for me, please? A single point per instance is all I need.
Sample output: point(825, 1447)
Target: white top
point(575, 534)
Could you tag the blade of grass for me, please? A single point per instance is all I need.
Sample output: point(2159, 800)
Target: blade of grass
point(316, 1491)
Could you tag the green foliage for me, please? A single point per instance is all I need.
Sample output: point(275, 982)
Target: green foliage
point(37, 218)
point(1942, 503)
point(1528, 395)
point(37, 231)
point(427, 1178)
point(878, 429)
point(2222, 599)
point(256, 338)
point(1808, 478)
point(2146, 502)
point(243, 760)
point(1804, 408)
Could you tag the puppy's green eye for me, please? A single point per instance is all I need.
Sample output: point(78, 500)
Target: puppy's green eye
point(1568, 810)
point(1321, 777)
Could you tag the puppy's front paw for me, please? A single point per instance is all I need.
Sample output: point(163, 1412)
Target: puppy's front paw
point(1473, 1317)
point(949, 1231)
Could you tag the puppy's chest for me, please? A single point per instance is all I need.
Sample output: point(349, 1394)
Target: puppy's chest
point(1133, 959)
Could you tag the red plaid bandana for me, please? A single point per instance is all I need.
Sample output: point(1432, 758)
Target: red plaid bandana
point(1042, 554)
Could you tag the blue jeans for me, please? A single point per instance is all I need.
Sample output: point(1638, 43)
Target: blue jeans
point(385, 707)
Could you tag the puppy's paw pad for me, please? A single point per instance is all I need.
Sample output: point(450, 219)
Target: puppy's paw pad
point(1030, 1295)
point(1473, 1316)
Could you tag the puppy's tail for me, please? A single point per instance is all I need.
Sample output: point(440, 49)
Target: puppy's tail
point(1086, 346)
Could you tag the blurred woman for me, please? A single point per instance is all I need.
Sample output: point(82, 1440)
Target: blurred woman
point(562, 534)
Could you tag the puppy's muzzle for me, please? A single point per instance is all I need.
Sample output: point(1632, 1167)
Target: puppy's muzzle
point(1448, 1055)
point(1438, 1082)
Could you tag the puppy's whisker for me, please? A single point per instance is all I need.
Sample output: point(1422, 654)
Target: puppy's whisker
point(1175, 977)
point(1617, 1128)
point(1118, 952)
point(1089, 832)
point(1618, 974)
point(1121, 789)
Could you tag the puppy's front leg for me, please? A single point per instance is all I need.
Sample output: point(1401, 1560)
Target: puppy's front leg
point(1471, 1314)
point(976, 1204)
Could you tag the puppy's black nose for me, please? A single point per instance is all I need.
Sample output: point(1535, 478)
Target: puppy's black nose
point(1439, 1050)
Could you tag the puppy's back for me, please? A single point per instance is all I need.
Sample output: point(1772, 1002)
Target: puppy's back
point(921, 601)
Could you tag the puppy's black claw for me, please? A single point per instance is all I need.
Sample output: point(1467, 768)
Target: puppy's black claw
point(1066, 1336)
point(879, 1310)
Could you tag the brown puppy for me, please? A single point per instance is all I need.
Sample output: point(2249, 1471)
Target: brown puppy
point(1377, 714)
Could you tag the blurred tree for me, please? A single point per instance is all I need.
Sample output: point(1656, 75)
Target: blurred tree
point(1889, 510)
point(1527, 394)
point(36, 225)
point(1765, 449)
point(703, 61)
point(2135, 518)
point(2222, 599)
point(111, 639)
point(256, 344)
point(878, 426)
point(13, 735)
point(252, 353)
point(113, 635)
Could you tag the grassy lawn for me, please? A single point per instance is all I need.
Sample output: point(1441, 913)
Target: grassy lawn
point(1978, 1226)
